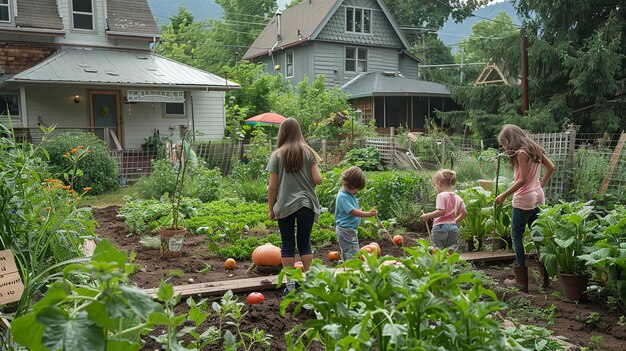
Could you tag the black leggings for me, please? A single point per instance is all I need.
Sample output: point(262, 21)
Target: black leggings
point(304, 218)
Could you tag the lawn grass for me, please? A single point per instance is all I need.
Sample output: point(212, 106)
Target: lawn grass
point(108, 199)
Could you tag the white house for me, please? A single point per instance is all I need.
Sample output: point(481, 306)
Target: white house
point(88, 64)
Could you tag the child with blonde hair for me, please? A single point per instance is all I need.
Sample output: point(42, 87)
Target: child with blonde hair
point(450, 210)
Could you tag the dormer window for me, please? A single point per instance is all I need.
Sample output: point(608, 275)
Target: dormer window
point(5, 12)
point(358, 20)
point(82, 14)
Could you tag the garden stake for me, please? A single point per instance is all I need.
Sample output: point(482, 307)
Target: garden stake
point(383, 230)
point(430, 236)
point(495, 206)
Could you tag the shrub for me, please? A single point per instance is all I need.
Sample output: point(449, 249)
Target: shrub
point(588, 173)
point(162, 180)
point(367, 158)
point(98, 169)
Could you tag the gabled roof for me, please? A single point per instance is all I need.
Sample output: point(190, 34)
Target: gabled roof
point(301, 23)
point(119, 68)
point(38, 14)
point(131, 17)
point(492, 74)
point(385, 84)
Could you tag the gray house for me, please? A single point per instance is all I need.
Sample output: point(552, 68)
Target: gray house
point(356, 45)
point(89, 65)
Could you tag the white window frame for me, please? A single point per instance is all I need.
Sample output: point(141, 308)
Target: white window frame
point(9, 12)
point(174, 115)
point(19, 107)
point(357, 59)
point(358, 19)
point(289, 64)
point(92, 14)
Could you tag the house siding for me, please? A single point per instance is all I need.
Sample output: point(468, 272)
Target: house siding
point(408, 67)
point(382, 33)
point(208, 114)
point(329, 59)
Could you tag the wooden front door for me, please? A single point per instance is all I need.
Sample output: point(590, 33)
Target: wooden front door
point(105, 112)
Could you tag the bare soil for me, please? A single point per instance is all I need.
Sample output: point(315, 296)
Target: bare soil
point(575, 322)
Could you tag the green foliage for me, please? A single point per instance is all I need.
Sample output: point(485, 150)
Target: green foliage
point(562, 234)
point(161, 181)
point(104, 311)
point(608, 254)
point(143, 216)
point(534, 338)
point(367, 158)
point(420, 302)
point(241, 249)
point(98, 169)
point(479, 206)
point(588, 173)
point(39, 218)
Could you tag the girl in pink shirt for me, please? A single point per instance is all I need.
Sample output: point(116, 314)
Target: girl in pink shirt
point(450, 210)
point(526, 157)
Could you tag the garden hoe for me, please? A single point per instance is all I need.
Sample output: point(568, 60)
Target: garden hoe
point(431, 248)
point(382, 229)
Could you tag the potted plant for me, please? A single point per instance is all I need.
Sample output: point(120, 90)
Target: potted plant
point(172, 236)
point(563, 233)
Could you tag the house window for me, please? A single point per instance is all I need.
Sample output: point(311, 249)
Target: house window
point(358, 20)
point(289, 64)
point(9, 104)
point(82, 14)
point(174, 110)
point(5, 12)
point(356, 59)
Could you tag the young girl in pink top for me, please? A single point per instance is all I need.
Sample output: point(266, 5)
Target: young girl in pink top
point(450, 210)
point(526, 157)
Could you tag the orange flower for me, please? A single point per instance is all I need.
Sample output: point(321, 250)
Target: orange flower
point(66, 187)
point(48, 208)
point(66, 155)
point(80, 147)
point(88, 188)
point(74, 151)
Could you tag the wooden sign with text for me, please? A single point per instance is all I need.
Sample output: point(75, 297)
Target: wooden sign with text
point(11, 285)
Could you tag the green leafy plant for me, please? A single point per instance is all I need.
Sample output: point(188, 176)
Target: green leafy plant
point(534, 338)
point(367, 158)
point(608, 254)
point(479, 221)
point(83, 159)
point(102, 311)
point(562, 234)
point(418, 302)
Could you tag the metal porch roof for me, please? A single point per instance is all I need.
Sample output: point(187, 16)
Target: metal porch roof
point(380, 84)
point(119, 68)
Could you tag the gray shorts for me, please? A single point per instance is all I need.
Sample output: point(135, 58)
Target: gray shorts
point(446, 236)
point(348, 241)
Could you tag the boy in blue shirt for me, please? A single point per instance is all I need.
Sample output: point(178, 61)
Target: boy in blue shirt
point(347, 212)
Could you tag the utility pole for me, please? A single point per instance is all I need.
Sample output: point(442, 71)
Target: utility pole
point(523, 46)
point(461, 75)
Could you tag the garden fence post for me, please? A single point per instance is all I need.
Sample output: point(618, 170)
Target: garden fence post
point(571, 149)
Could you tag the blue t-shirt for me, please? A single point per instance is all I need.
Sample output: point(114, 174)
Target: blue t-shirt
point(344, 204)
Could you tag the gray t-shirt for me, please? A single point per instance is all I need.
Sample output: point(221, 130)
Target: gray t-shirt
point(295, 190)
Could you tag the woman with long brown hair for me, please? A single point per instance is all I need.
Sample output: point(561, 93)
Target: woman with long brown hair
point(526, 158)
point(294, 173)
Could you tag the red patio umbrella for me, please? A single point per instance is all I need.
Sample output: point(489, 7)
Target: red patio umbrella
point(266, 118)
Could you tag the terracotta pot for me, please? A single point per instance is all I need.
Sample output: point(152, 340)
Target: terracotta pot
point(573, 286)
point(172, 241)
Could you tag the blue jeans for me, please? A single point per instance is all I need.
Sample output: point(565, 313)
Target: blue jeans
point(304, 218)
point(519, 220)
point(445, 235)
point(348, 241)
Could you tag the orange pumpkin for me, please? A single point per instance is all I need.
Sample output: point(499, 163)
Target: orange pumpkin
point(229, 263)
point(376, 247)
point(368, 248)
point(398, 240)
point(334, 256)
point(267, 255)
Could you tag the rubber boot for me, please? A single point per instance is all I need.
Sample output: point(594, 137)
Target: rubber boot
point(544, 278)
point(521, 279)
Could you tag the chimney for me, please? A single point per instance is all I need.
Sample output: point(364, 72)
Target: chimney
point(278, 30)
